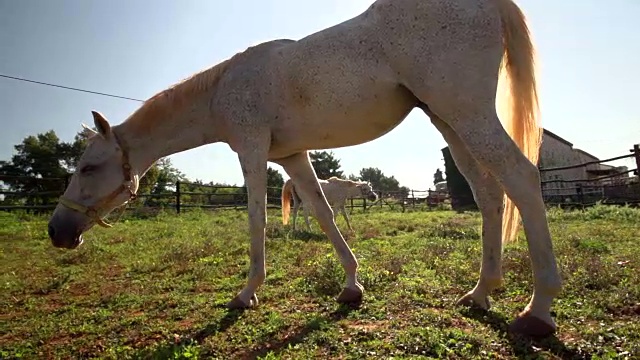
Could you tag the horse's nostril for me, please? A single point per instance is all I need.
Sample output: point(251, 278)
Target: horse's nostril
point(51, 231)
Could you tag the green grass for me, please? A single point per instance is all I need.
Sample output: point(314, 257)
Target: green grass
point(156, 288)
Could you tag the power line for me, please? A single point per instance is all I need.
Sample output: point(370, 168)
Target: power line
point(69, 88)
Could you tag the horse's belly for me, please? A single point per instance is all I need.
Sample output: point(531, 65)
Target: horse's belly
point(348, 123)
point(334, 89)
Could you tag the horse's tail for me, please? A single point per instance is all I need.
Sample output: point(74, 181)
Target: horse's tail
point(287, 191)
point(520, 107)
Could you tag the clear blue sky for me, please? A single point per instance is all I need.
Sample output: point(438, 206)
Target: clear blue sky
point(589, 52)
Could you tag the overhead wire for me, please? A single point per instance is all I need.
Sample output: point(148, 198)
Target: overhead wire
point(69, 88)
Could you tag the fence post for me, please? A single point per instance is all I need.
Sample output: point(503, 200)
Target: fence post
point(636, 151)
point(364, 205)
point(178, 196)
point(580, 193)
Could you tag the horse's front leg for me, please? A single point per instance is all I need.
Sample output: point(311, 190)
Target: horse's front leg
point(301, 172)
point(343, 210)
point(254, 169)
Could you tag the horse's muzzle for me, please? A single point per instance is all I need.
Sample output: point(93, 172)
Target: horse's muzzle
point(64, 235)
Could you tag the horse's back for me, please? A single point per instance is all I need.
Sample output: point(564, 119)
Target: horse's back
point(355, 81)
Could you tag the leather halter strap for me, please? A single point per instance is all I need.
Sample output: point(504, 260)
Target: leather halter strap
point(93, 211)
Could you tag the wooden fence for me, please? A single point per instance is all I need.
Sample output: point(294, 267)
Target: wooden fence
point(617, 188)
point(579, 191)
point(185, 195)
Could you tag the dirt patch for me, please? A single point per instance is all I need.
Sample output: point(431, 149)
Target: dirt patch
point(368, 326)
point(112, 271)
point(79, 289)
point(59, 339)
point(625, 310)
point(185, 324)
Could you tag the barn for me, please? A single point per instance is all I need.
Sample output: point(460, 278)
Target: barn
point(557, 185)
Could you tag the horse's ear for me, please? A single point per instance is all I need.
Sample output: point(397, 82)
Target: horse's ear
point(87, 131)
point(101, 124)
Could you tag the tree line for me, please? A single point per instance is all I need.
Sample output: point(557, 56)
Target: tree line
point(36, 171)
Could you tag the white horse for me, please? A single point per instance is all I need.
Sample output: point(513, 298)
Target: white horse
point(342, 86)
point(335, 190)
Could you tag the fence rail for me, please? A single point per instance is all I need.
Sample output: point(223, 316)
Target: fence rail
point(615, 188)
point(186, 195)
point(588, 163)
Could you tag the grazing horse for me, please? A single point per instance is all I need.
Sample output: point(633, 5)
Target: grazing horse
point(346, 85)
point(335, 190)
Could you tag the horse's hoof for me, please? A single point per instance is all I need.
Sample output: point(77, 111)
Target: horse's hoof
point(237, 303)
point(348, 296)
point(527, 324)
point(470, 302)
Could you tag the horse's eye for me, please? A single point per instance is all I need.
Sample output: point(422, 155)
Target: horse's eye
point(87, 169)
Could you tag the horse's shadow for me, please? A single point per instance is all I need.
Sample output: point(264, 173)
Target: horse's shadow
point(300, 333)
point(230, 318)
point(305, 235)
point(169, 349)
point(522, 346)
point(275, 346)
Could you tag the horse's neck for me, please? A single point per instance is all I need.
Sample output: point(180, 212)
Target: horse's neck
point(167, 134)
point(354, 192)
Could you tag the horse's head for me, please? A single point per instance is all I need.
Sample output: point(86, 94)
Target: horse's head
point(366, 190)
point(103, 181)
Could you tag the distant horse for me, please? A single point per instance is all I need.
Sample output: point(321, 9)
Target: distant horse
point(342, 86)
point(335, 190)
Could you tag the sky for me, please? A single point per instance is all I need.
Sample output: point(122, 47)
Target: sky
point(588, 56)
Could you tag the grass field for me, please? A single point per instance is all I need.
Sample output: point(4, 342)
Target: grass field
point(156, 288)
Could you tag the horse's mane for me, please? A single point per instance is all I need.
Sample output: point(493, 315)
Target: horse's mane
point(337, 179)
point(173, 98)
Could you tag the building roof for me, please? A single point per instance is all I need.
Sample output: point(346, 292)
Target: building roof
point(564, 141)
point(586, 154)
point(550, 134)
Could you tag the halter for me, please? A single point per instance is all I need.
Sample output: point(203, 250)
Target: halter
point(365, 191)
point(93, 211)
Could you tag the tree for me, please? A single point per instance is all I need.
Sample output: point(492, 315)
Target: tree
point(41, 164)
point(380, 182)
point(160, 179)
point(167, 176)
point(457, 185)
point(325, 164)
point(275, 181)
point(438, 177)
point(274, 178)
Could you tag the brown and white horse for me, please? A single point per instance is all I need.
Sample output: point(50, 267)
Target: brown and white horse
point(342, 86)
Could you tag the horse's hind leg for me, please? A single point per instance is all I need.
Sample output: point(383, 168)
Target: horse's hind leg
point(479, 128)
point(301, 172)
point(296, 206)
point(488, 195)
point(306, 211)
point(460, 88)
